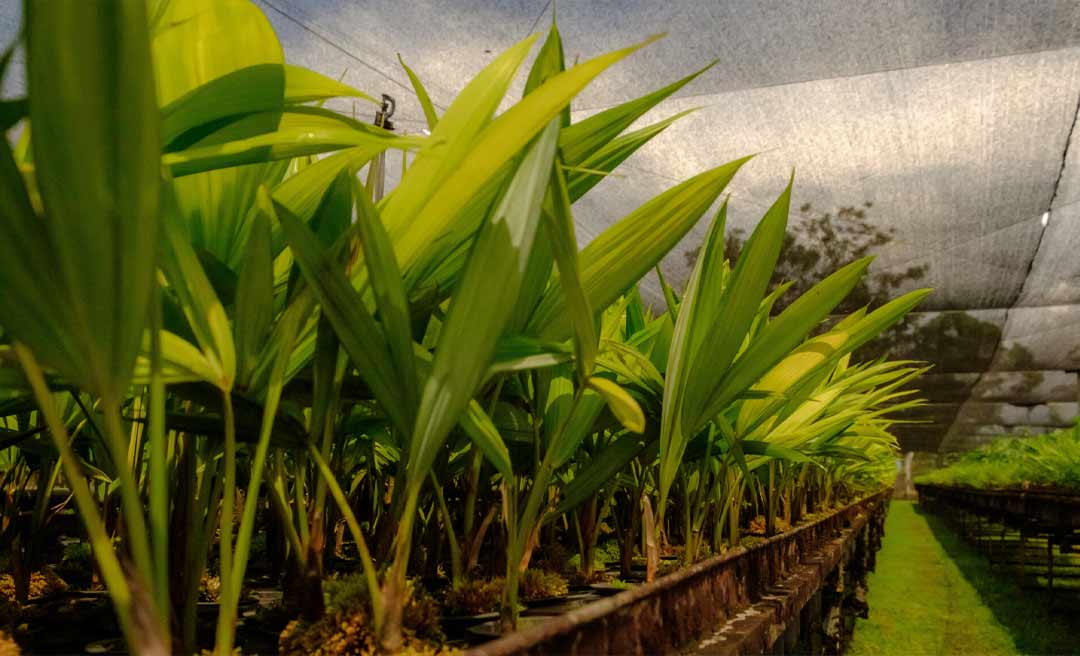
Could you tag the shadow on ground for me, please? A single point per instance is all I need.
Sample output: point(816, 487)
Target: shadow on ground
point(1037, 622)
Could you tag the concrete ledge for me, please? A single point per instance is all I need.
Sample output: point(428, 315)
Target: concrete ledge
point(756, 629)
point(676, 611)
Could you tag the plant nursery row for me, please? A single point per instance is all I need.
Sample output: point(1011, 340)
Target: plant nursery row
point(255, 396)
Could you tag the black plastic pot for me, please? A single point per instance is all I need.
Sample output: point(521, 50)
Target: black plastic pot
point(457, 626)
point(491, 628)
point(565, 604)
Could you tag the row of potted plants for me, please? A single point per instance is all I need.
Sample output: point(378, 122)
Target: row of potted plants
point(217, 328)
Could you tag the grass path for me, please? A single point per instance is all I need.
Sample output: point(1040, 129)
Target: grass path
point(931, 594)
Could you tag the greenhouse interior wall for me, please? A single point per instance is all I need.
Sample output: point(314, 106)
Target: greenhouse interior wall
point(938, 137)
point(956, 121)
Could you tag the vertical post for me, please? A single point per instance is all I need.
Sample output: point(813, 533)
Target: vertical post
point(812, 625)
point(1050, 561)
point(1023, 559)
point(909, 485)
point(376, 181)
point(1004, 549)
point(977, 532)
point(770, 502)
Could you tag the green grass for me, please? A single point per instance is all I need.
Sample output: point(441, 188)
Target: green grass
point(932, 594)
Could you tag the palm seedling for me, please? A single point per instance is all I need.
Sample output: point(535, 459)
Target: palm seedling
point(210, 306)
point(86, 215)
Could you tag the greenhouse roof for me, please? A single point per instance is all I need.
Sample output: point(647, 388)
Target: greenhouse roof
point(946, 130)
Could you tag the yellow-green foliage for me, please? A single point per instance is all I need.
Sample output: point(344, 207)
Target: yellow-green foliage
point(347, 628)
point(474, 597)
point(95, 237)
point(539, 584)
point(8, 646)
point(42, 583)
point(209, 587)
point(342, 633)
point(1051, 460)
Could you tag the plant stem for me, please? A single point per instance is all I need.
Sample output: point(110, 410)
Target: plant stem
point(226, 623)
point(203, 518)
point(111, 570)
point(472, 489)
point(770, 505)
point(227, 612)
point(508, 612)
point(389, 631)
point(300, 497)
point(159, 470)
point(131, 503)
point(325, 428)
point(456, 574)
point(370, 574)
point(279, 500)
point(543, 476)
